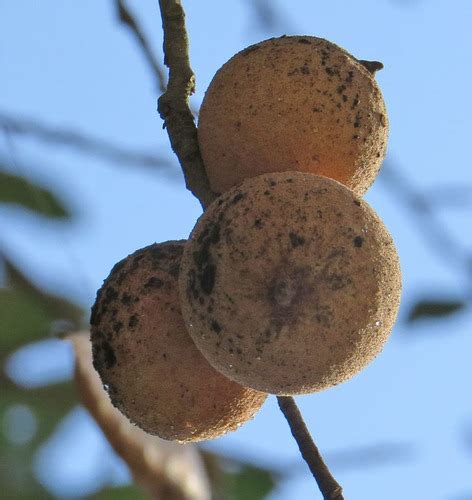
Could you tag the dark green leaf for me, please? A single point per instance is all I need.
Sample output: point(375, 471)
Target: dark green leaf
point(27, 312)
point(23, 319)
point(250, 483)
point(20, 191)
point(16, 475)
point(49, 404)
point(234, 479)
point(124, 493)
point(434, 309)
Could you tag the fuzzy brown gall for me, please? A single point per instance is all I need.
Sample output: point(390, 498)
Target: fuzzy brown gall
point(290, 283)
point(293, 103)
point(147, 361)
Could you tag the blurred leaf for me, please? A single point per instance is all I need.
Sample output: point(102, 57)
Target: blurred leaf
point(250, 483)
point(234, 479)
point(19, 191)
point(449, 196)
point(467, 438)
point(434, 309)
point(163, 468)
point(16, 475)
point(23, 319)
point(60, 136)
point(465, 495)
point(125, 493)
point(374, 455)
point(27, 312)
point(269, 17)
point(49, 404)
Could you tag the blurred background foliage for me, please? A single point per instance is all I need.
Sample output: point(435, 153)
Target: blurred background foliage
point(35, 408)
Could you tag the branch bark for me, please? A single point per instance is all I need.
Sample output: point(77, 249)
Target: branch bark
point(329, 487)
point(174, 106)
point(174, 110)
point(62, 136)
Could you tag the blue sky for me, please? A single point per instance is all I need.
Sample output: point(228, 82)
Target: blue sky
point(71, 64)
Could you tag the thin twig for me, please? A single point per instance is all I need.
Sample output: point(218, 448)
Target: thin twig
point(174, 109)
point(422, 207)
point(82, 142)
point(329, 487)
point(268, 17)
point(174, 103)
point(127, 18)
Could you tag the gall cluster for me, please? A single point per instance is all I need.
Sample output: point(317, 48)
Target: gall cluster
point(289, 282)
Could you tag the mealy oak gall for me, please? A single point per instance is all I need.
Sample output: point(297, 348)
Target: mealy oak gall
point(147, 361)
point(296, 103)
point(290, 283)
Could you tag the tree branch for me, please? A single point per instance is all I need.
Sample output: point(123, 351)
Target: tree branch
point(84, 143)
point(173, 105)
point(429, 225)
point(329, 487)
point(175, 111)
point(129, 20)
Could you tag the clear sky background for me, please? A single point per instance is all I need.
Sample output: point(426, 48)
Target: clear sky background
point(70, 64)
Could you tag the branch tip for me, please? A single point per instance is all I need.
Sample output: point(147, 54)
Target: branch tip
point(329, 487)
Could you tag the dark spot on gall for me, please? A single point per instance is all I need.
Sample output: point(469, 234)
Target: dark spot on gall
point(296, 240)
point(358, 241)
point(332, 71)
point(103, 354)
point(207, 279)
point(237, 198)
point(133, 321)
point(203, 259)
point(110, 295)
point(153, 282)
point(336, 282)
point(357, 122)
point(215, 326)
point(126, 299)
point(117, 326)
